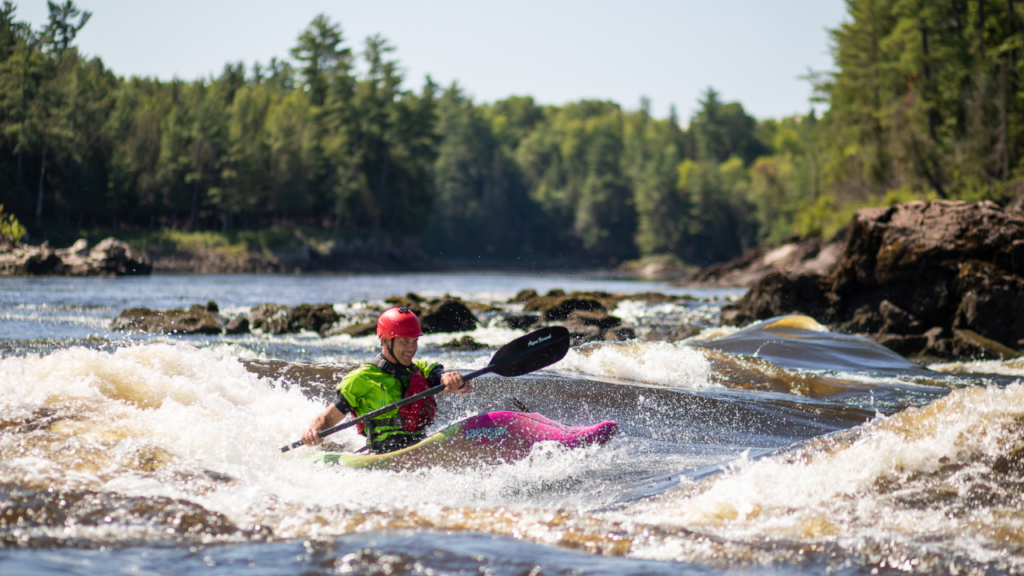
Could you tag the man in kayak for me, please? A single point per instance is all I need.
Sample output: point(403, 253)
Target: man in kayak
point(391, 376)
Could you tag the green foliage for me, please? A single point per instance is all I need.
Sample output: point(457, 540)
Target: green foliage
point(10, 227)
point(923, 104)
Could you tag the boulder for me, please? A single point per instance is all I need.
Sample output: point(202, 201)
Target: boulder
point(620, 334)
point(269, 318)
point(313, 317)
point(580, 333)
point(558, 307)
point(780, 295)
point(196, 320)
point(464, 343)
point(522, 296)
point(815, 256)
point(447, 315)
point(944, 264)
point(355, 330)
point(237, 325)
point(602, 320)
point(521, 321)
point(111, 257)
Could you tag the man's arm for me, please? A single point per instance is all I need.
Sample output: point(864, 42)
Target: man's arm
point(328, 418)
point(453, 382)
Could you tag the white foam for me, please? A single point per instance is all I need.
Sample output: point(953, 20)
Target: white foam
point(195, 409)
point(857, 490)
point(1013, 367)
point(672, 365)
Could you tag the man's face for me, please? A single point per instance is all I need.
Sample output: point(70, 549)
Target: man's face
point(404, 349)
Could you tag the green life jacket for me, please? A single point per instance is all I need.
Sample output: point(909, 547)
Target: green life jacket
point(373, 386)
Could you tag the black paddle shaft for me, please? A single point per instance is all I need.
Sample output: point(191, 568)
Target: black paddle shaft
point(523, 355)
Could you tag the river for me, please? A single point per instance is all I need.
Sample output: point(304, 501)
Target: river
point(777, 449)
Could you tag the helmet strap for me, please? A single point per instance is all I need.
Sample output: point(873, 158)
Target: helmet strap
point(389, 344)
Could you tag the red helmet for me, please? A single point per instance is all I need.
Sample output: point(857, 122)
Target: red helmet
point(398, 322)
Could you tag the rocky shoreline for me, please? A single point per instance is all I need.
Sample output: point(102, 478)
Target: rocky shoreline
point(110, 257)
point(935, 280)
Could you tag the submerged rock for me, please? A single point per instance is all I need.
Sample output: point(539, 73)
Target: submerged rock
point(954, 266)
point(277, 319)
point(464, 343)
point(198, 319)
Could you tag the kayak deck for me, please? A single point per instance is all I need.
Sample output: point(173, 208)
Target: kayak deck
point(494, 437)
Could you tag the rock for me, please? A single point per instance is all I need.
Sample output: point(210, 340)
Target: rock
point(656, 297)
point(945, 264)
point(558, 307)
point(481, 307)
point(523, 296)
point(620, 334)
point(865, 319)
point(813, 256)
point(269, 318)
point(355, 330)
point(313, 317)
point(18, 259)
point(413, 304)
point(447, 315)
point(779, 295)
point(521, 321)
point(968, 344)
point(602, 320)
point(464, 343)
point(409, 297)
point(912, 345)
point(895, 320)
point(195, 320)
point(237, 325)
point(991, 303)
point(110, 257)
point(582, 333)
point(673, 334)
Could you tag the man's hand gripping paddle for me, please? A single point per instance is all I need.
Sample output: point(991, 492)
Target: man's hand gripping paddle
point(523, 355)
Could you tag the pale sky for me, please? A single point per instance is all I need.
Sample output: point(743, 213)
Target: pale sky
point(751, 51)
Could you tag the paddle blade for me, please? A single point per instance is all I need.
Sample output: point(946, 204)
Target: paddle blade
point(532, 352)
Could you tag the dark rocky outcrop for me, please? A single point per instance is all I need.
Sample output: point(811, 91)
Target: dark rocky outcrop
point(198, 319)
point(950, 272)
point(269, 318)
point(556, 306)
point(277, 319)
point(110, 257)
point(447, 315)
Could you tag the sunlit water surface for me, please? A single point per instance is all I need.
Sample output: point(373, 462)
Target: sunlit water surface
point(781, 448)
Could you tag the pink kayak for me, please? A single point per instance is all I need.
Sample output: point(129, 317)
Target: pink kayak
point(494, 437)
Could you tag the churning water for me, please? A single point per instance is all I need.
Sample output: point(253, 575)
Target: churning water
point(781, 448)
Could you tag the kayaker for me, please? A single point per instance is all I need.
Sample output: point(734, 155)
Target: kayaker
point(391, 376)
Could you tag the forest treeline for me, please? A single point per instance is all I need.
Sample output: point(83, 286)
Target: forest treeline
point(924, 102)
